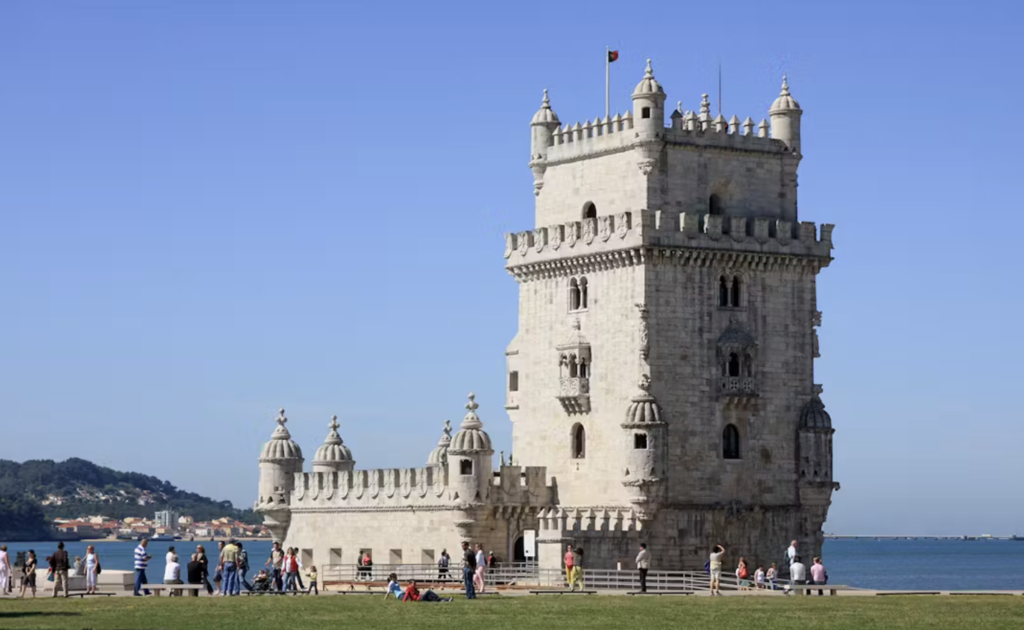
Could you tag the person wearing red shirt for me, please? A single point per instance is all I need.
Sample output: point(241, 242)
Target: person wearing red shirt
point(412, 594)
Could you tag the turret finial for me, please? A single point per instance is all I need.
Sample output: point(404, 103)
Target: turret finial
point(679, 106)
point(447, 428)
point(471, 405)
point(785, 86)
point(650, 72)
point(281, 419)
point(333, 426)
point(705, 105)
point(546, 102)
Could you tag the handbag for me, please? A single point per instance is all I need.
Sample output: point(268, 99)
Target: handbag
point(99, 569)
point(49, 575)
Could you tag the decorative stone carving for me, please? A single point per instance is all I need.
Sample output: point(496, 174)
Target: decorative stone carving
point(645, 342)
point(622, 224)
point(589, 230)
point(572, 233)
point(555, 237)
point(523, 241)
point(509, 245)
point(604, 228)
point(539, 238)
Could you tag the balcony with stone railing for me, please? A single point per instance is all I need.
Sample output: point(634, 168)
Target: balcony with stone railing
point(738, 389)
point(574, 394)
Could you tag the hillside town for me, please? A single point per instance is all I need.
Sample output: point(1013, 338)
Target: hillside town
point(165, 524)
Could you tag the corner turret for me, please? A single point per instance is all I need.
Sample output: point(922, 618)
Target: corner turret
point(333, 455)
point(645, 459)
point(280, 460)
point(469, 458)
point(648, 120)
point(545, 122)
point(439, 456)
point(785, 113)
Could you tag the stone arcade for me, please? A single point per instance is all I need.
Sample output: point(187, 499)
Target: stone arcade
point(661, 383)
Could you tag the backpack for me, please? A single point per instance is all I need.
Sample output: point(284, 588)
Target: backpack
point(243, 560)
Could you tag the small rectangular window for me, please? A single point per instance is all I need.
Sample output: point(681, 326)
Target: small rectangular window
point(395, 556)
point(335, 556)
point(427, 556)
point(645, 112)
point(466, 467)
point(513, 381)
point(640, 441)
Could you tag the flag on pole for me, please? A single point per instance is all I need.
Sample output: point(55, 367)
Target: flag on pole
point(613, 55)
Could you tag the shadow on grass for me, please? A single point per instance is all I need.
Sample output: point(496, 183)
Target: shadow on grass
point(12, 615)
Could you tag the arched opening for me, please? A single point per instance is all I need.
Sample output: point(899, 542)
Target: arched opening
point(584, 370)
point(748, 365)
point(645, 112)
point(574, 295)
point(734, 364)
point(579, 442)
point(735, 293)
point(574, 368)
point(723, 292)
point(730, 442)
point(519, 550)
point(583, 292)
point(589, 210)
point(466, 467)
point(714, 205)
point(563, 366)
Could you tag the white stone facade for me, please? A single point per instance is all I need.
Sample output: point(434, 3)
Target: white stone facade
point(661, 382)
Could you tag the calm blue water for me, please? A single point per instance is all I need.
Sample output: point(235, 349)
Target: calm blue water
point(881, 564)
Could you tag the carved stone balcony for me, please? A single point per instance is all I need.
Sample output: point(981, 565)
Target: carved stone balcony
point(574, 394)
point(738, 389)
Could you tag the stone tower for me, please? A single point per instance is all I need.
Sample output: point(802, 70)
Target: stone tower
point(663, 368)
point(280, 460)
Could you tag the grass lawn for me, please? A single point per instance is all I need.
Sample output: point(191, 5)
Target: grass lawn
point(521, 613)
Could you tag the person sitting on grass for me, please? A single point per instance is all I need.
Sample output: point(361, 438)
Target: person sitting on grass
point(412, 594)
point(393, 587)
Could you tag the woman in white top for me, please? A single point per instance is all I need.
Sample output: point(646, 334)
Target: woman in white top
point(92, 561)
point(172, 574)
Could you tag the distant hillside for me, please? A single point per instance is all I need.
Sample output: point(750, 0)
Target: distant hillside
point(37, 491)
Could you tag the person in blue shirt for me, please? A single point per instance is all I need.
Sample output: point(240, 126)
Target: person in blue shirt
point(141, 562)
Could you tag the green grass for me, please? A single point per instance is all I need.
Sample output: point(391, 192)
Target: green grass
point(521, 613)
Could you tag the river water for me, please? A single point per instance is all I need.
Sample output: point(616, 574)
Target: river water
point(881, 564)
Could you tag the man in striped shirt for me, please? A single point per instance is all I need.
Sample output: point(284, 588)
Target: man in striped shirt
point(141, 561)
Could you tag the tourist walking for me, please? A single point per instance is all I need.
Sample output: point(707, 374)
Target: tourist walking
point(243, 568)
point(172, 574)
point(567, 560)
point(29, 581)
point(298, 570)
point(818, 575)
point(6, 575)
point(759, 578)
point(772, 576)
point(61, 566)
point(312, 580)
point(276, 564)
point(196, 574)
point(468, 570)
point(442, 566)
point(643, 564)
point(141, 562)
point(205, 562)
point(797, 573)
point(791, 553)
point(218, 576)
point(715, 566)
point(291, 570)
point(741, 574)
point(577, 568)
point(481, 569)
point(92, 569)
point(229, 561)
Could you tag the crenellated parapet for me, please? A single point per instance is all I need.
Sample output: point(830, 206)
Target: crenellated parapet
point(377, 488)
point(517, 486)
point(556, 521)
point(631, 238)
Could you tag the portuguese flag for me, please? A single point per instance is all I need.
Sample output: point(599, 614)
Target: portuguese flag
point(613, 55)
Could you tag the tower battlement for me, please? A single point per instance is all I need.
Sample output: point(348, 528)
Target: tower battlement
point(616, 237)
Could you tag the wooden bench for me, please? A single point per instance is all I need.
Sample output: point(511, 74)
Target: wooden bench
point(660, 593)
point(156, 588)
point(273, 592)
point(81, 594)
point(565, 592)
point(807, 588)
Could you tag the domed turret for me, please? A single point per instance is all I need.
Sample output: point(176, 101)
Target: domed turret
point(439, 456)
point(815, 441)
point(645, 456)
point(333, 455)
point(281, 448)
point(280, 460)
point(785, 113)
point(545, 122)
point(648, 120)
point(814, 416)
point(469, 458)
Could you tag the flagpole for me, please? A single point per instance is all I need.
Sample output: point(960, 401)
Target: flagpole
point(607, 65)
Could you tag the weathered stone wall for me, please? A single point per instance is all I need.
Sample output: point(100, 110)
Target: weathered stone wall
point(611, 182)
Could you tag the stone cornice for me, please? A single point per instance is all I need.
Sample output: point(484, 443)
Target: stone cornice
point(662, 255)
point(329, 509)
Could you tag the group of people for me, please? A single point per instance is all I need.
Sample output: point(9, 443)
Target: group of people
point(768, 579)
point(285, 573)
point(60, 568)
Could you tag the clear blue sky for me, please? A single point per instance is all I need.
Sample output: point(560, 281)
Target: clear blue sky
point(213, 209)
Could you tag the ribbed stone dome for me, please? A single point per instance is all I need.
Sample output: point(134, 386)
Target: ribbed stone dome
point(471, 437)
point(439, 455)
point(648, 85)
point(814, 416)
point(280, 446)
point(643, 408)
point(333, 450)
point(545, 114)
point(785, 102)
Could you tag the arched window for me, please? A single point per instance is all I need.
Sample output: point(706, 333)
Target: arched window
point(574, 295)
point(714, 205)
point(735, 293)
point(723, 291)
point(563, 365)
point(579, 442)
point(748, 365)
point(573, 367)
point(734, 364)
point(730, 442)
point(589, 210)
point(583, 293)
point(584, 370)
